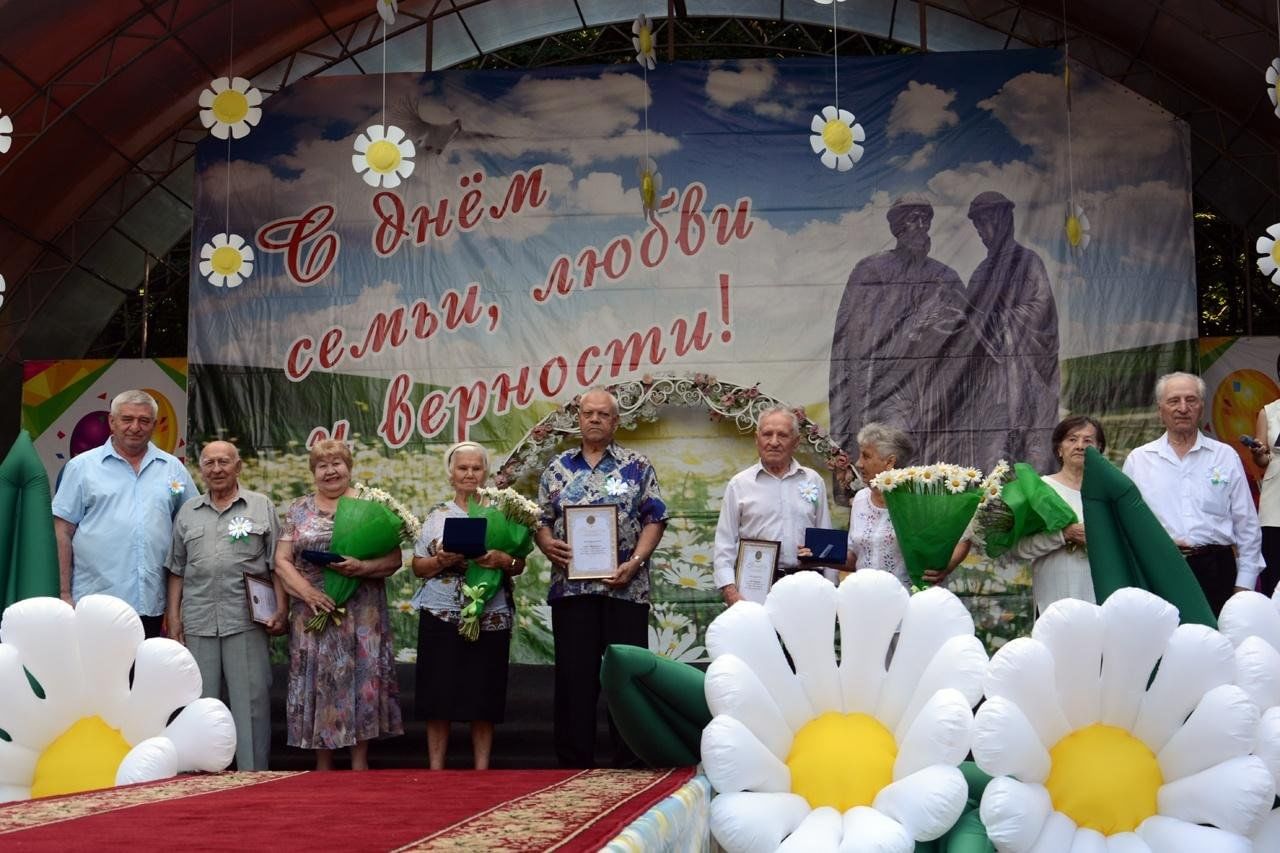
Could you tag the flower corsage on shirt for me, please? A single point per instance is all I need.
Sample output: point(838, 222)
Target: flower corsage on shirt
point(239, 528)
point(616, 487)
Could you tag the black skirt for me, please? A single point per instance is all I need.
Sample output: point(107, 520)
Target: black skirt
point(460, 679)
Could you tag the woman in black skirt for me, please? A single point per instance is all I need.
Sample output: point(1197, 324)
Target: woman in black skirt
point(460, 679)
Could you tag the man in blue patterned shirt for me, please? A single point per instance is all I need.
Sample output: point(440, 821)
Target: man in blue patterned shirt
point(588, 615)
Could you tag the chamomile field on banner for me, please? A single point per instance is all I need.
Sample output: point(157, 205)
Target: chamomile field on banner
point(504, 240)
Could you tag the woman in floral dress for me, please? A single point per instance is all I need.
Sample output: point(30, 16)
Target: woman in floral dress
point(342, 680)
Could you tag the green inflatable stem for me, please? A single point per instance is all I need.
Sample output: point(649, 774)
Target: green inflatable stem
point(658, 705)
point(28, 549)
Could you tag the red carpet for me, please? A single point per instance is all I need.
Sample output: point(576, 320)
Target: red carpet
point(511, 810)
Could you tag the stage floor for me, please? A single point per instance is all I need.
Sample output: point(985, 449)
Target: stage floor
point(496, 810)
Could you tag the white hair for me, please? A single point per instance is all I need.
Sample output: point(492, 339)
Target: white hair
point(780, 410)
point(601, 391)
point(134, 397)
point(1168, 377)
point(465, 447)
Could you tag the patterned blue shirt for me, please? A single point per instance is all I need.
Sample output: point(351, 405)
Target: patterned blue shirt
point(621, 477)
point(124, 523)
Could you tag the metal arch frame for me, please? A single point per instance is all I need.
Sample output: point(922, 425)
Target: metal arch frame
point(180, 146)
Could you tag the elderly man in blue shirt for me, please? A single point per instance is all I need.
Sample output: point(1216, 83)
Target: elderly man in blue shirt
point(113, 513)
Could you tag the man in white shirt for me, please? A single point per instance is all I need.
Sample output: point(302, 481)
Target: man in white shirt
point(1196, 487)
point(774, 499)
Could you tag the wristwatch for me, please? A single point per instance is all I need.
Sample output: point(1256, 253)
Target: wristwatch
point(513, 563)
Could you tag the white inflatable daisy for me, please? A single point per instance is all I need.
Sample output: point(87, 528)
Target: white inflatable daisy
point(230, 107)
point(836, 136)
point(1252, 622)
point(1268, 249)
point(70, 719)
point(1090, 751)
point(226, 260)
point(6, 132)
point(851, 754)
point(383, 156)
point(1077, 228)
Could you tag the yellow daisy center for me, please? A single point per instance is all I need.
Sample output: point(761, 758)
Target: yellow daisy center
point(1275, 253)
point(688, 582)
point(226, 260)
point(842, 760)
point(84, 757)
point(230, 106)
point(647, 189)
point(646, 40)
point(383, 157)
point(1074, 231)
point(1104, 778)
point(837, 136)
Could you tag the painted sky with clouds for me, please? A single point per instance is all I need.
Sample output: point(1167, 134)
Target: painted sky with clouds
point(947, 125)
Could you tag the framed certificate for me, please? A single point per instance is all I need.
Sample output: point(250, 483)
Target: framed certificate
point(753, 571)
point(592, 533)
point(261, 594)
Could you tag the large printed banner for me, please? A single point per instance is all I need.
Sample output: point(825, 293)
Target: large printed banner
point(932, 285)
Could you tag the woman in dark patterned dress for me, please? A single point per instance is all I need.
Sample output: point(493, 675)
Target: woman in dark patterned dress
point(460, 679)
point(342, 680)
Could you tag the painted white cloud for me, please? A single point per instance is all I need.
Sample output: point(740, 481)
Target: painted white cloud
point(923, 109)
point(918, 159)
point(749, 81)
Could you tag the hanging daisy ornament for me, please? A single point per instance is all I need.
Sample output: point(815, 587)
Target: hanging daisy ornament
point(230, 107)
point(836, 136)
point(6, 132)
point(650, 184)
point(387, 10)
point(384, 157)
point(642, 40)
point(226, 260)
point(1273, 75)
point(1077, 228)
point(1269, 253)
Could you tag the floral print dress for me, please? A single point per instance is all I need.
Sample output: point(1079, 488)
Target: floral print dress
point(342, 680)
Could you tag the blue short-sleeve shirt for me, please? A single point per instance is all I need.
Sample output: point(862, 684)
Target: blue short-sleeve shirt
point(124, 523)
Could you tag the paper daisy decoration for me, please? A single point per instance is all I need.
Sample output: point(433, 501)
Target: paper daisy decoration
point(650, 184)
point(383, 156)
point(836, 136)
point(6, 132)
point(642, 40)
point(1273, 74)
point(76, 720)
point(1077, 228)
point(1269, 254)
point(1090, 752)
point(839, 755)
point(230, 106)
point(226, 260)
point(1, 290)
point(387, 10)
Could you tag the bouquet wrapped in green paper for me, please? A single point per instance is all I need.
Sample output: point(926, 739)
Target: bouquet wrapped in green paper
point(511, 520)
point(930, 506)
point(1016, 504)
point(364, 527)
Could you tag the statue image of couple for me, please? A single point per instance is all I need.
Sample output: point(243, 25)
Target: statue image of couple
point(970, 371)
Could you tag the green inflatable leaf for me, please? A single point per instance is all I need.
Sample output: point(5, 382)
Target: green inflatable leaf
point(28, 550)
point(657, 704)
point(1129, 547)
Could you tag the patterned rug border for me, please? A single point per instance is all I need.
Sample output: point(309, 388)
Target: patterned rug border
point(29, 814)
point(546, 819)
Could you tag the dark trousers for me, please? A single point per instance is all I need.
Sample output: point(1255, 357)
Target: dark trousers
point(1215, 568)
point(151, 625)
point(1270, 556)
point(582, 626)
